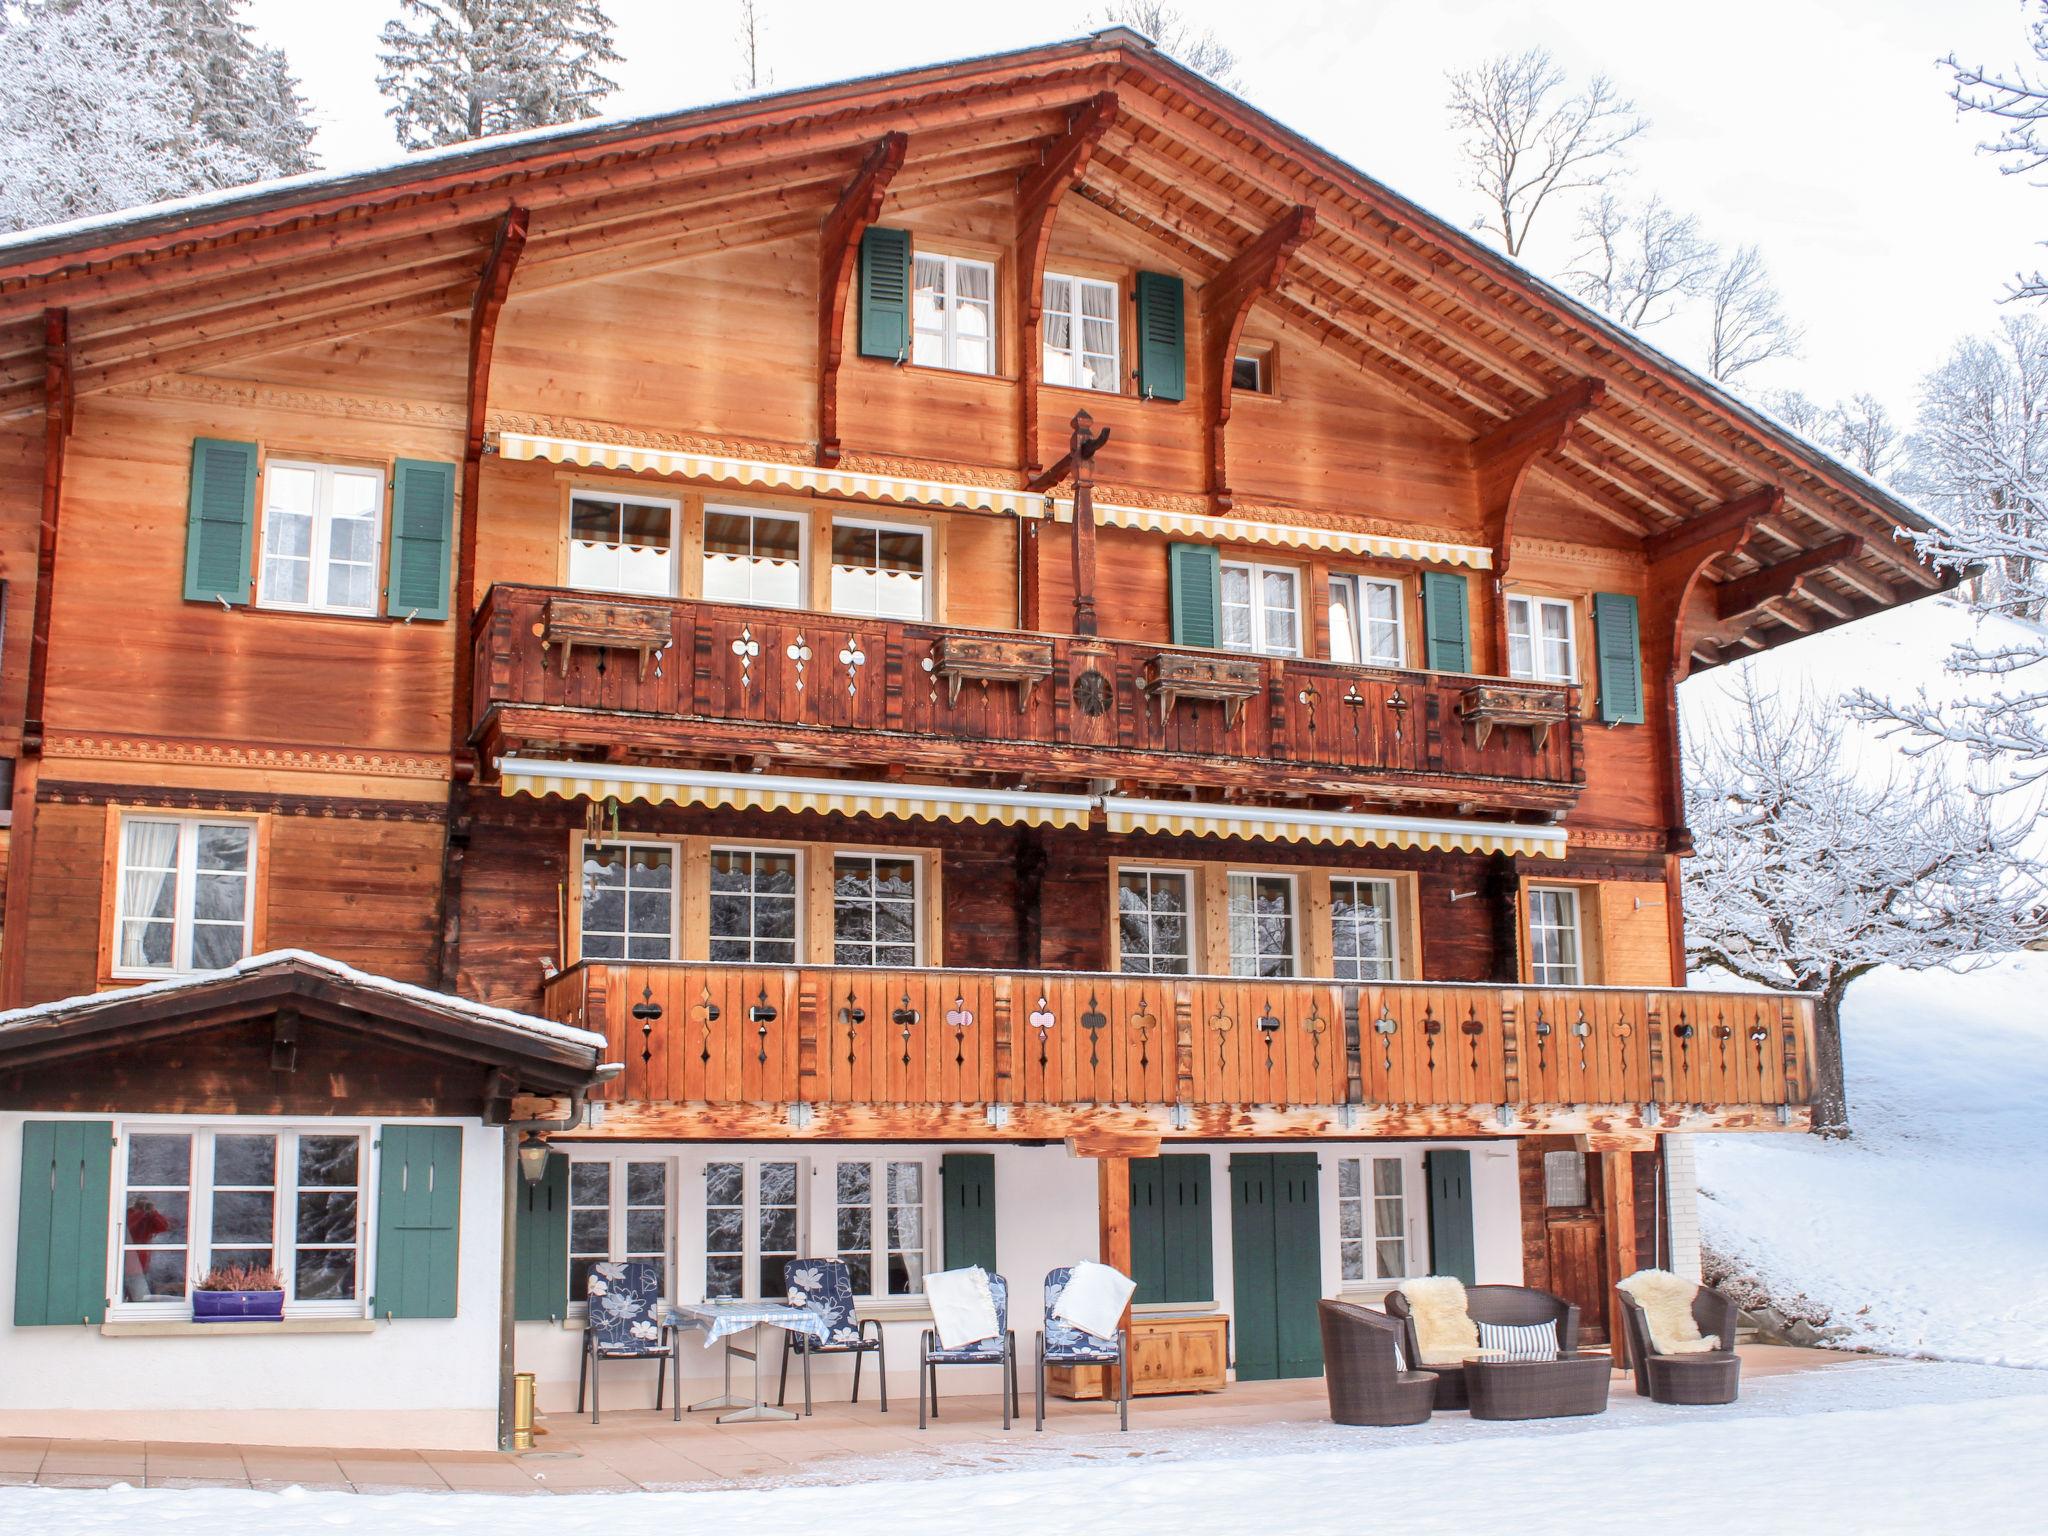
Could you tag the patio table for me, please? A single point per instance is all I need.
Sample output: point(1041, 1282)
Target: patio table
point(1557, 1386)
point(723, 1320)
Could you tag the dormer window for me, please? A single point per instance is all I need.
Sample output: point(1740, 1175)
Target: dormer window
point(954, 310)
point(1081, 333)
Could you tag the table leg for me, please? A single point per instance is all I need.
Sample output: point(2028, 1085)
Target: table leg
point(757, 1411)
point(725, 1399)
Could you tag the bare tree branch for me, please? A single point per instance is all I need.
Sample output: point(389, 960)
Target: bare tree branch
point(1747, 324)
point(1198, 47)
point(2016, 101)
point(1639, 264)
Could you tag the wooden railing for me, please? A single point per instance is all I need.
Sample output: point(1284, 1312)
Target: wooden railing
point(730, 1034)
point(759, 680)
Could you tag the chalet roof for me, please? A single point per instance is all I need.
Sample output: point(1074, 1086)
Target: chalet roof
point(1458, 331)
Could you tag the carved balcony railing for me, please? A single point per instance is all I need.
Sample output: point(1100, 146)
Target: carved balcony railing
point(1423, 1057)
point(760, 681)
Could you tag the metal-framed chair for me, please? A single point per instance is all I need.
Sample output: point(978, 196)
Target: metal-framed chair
point(1000, 1350)
point(1061, 1343)
point(827, 1286)
point(624, 1324)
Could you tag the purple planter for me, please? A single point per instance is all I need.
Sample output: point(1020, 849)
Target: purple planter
point(237, 1306)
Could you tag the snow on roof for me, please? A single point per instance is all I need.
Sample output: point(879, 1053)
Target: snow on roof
point(45, 1013)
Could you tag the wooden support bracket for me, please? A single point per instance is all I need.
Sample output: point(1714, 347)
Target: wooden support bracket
point(859, 205)
point(1750, 594)
point(1227, 300)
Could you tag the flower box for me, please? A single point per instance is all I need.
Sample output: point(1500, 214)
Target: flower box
point(237, 1306)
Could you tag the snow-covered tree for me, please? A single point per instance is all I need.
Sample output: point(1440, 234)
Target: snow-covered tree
point(463, 69)
point(2016, 100)
point(1859, 431)
point(1811, 870)
point(1196, 46)
point(97, 112)
point(1639, 263)
point(1746, 320)
point(243, 93)
point(1527, 137)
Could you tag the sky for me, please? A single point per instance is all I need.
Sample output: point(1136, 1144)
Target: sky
point(1820, 129)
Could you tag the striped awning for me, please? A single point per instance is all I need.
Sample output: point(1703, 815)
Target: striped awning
point(1231, 530)
point(1205, 819)
point(774, 792)
point(522, 446)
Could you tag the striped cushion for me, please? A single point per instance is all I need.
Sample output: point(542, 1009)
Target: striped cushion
point(1529, 1341)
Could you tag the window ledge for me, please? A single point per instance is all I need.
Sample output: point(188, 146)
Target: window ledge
point(895, 1309)
point(181, 1328)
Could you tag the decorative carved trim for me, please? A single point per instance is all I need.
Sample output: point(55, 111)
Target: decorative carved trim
point(1592, 555)
point(933, 469)
point(202, 390)
point(797, 454)
point(213, 754)
point(1615, 838)
point(330, 807)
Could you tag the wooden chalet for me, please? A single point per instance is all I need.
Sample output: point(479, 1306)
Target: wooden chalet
point(1034, 651)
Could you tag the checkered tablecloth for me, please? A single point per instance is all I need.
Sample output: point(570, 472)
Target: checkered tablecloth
point(719, 1318)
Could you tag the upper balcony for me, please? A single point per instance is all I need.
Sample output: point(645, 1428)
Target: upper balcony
point(565, 670)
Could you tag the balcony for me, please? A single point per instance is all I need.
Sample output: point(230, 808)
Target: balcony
point(713, 1050)
point(559, 670)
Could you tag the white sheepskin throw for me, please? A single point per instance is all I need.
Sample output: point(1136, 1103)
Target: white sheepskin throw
point(1444, 1331)
point(1666, 1301)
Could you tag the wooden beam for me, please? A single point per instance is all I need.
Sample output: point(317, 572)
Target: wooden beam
point(1618, 1188)
point(1113, 1211)
point(1738, 599)
point(1227, 300)
point(1502, 459)
point(1539, 429)
point(859, 205)
point(1040, 191)
point(1740, 515)
point(1086, 443)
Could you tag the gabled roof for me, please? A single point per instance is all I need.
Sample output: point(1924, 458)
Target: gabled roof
point(1460, 332)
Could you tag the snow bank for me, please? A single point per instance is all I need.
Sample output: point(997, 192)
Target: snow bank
point(1927, 1232)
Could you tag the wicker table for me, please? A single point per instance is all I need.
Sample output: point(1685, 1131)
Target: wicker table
point(1557, 1387)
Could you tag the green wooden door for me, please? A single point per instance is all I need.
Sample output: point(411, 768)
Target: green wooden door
point(1276, 1264)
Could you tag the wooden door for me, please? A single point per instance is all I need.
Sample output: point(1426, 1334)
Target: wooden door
point(1276, 1264)
point(1563, 1229)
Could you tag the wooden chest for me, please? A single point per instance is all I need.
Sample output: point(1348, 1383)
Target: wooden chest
point(1168, 1355)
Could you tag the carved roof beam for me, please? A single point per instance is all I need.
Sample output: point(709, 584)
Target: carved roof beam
point(1227, 300)
point(1788, 578)
point(859, 205)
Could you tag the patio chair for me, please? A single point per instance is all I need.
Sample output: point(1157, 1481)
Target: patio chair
point(1367, 1371)
point(1685, 1380)
point(624, 1324)
point(1061, 1343)
point(827, 1286)
point(1511, 1305)
point(999, 1350)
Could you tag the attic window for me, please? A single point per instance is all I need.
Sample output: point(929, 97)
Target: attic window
point(1251, 371)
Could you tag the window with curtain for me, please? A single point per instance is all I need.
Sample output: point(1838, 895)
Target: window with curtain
point(754, 905)
point(1365, 621)
point(1261, 608)
point(629, 901)
point(1372, 1218)
point(874, 909)
point(1555, 953)
point(1362, 929)
point(1080, 333)
point(1540, 641)
point(183, 894)
point(623, 544)
point(322, 526)
point(954, 311)
point(880, 571)
point(1261, 925)
point(1155, 930)
point(753, 557)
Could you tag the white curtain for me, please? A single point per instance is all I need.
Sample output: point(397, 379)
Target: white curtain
point(148, 887)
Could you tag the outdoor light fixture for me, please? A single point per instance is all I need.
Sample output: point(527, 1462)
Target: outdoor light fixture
point(533, 1157)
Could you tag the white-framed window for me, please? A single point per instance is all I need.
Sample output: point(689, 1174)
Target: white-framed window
point(1366, 624)
point(194, 1197)
point(881, 570)
point(1080, 333)
point(753, 557)
point(1541, 645)
point(1374, 1239)
point(881, 1223)
point(1363, 944)
point(877, 909)
point(322, 527)
point(624, 544)
point(1155, 921)
point(755, 905)
point(1565, 1186)
point(1556, 954)
point(619, 1205)
point(954, 313)
point(1261, 608)
point(184, 894)
point(1248, 373)
point(1262, 938)
point(629, 901)
point(753, 1225)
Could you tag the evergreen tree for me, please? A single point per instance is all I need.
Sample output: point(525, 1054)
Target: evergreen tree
point(243, 94)
point(463, 69)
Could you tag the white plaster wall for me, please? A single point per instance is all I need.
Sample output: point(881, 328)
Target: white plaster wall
point(419, 1382)
point(1682, 1197)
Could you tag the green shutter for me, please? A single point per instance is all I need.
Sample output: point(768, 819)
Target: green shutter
point(967, 1180)
point(1195, 577)
point(1451, 1250)
point(1276, 1264)
point(1148, 1230)
point(540, 1246)
point(1619, 637)
point(885, 293)
point(419, 1209)
point(1446, 619)
point(1254, 1281)
point(1172, 1242)
point(422, 528)
point(220, 521)
point(60, 1254)
point(1162, 338)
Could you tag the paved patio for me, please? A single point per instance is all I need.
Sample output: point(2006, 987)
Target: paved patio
point(642, 1449)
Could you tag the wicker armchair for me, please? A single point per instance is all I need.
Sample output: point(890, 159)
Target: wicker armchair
point(1362, 1368)
point(1506, 1304)
point(1713, 1376)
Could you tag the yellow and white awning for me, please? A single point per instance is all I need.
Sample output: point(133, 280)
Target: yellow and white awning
point(523, 446)
point(1207, 819)
point(774, 792)
point(1230, 530)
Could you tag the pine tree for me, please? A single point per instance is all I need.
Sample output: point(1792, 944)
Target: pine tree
point(243, 94)
point(463, 69)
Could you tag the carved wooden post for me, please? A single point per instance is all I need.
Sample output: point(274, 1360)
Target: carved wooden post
point(1082, 453)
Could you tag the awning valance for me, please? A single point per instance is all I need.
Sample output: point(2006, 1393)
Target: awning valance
point(522, 446)
point(774, 792)
point(1346, 827)
point(1231, 530)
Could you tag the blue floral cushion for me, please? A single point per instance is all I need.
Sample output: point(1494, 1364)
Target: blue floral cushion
point(624, 1311)
point(827, 1287)
point(981, 1350)
point(1064, 1343)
